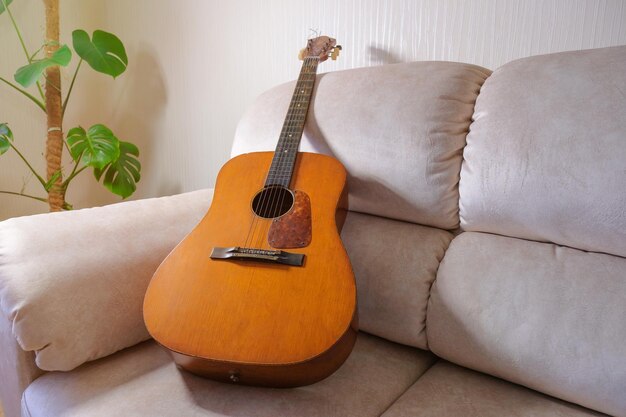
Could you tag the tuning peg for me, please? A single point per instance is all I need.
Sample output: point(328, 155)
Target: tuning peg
point(335, 53)
point(301, 54)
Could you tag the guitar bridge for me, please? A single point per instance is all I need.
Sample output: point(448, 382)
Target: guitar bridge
point(254, 254)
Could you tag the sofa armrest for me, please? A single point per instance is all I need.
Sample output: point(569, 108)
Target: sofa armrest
point(72, 283)
point(17, 370)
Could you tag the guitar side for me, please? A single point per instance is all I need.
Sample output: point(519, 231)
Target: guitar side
point(252, 322)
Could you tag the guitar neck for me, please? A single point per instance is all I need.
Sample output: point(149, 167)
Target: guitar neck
point(281, 170)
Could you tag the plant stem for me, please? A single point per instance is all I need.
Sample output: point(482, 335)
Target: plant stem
point(51, 84)
point(19, 35)
point(30, 59)
point(73, 174)
point(25, 195)
point(67, 98)
point(41, 180)
point(40, 91)
point(26, 93)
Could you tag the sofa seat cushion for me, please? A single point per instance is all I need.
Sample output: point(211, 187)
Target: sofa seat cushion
point(544, 316)
point(143, 381)
point(452, 391)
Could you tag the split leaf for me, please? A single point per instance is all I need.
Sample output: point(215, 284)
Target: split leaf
point(105, 52)
point(96, 147)
point(121, 176)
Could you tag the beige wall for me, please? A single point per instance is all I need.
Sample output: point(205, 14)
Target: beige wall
point(195, 65)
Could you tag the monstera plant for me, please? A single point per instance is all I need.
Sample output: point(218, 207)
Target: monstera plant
point(113, 162)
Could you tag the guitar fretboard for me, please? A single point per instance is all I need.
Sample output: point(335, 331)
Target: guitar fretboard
point(281, 170)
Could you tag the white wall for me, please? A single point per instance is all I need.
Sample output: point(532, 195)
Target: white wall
point(195, 65)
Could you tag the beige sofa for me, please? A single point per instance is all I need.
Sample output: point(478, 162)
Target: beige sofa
point(487, 234)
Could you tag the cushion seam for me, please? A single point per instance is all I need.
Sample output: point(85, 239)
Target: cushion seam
point(431, 288)
point(24, 405)
point(409, 386)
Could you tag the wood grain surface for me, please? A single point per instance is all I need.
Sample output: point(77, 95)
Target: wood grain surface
point(253, 315)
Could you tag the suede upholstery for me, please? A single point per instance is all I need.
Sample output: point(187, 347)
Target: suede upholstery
point(545, 155)
point(452, 391)
point(400, 138)
point(543, 162)
point(55, 268)
point(387, 307)
point(541, 315)
point(394, 264)
point(17, 370)
point(143, 381)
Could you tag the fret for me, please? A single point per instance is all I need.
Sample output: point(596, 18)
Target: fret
point(281, 169)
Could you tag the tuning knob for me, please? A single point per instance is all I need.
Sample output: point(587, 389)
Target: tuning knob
point(335, 53)
point(301, 54)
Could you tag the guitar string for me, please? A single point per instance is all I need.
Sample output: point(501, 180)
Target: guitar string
point(270, 186)
point(269, 206)
point(295, 126)
point(287, 159)
point(273, 178)
point(266, 204)
point(265, 196)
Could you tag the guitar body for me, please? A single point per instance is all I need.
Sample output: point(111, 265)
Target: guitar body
point(252, 321)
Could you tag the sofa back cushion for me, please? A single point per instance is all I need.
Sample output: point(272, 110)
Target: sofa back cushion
point(395, 264)
point(546, 155)
point(398, 129)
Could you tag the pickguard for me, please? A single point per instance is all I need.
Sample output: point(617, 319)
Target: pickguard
point(293, 229)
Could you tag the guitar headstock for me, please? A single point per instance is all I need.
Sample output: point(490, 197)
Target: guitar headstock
point(321, 47)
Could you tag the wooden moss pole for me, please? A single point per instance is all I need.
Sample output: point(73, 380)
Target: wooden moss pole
point(54, 109)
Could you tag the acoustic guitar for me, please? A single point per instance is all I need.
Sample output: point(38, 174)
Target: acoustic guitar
point(262, 292)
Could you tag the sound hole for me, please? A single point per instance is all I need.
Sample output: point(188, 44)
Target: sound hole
point(272, 201)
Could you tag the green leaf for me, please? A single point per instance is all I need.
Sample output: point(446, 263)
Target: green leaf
point(3, 3)
point(29, 74)
point(105, 53)
point(6, 137)
point(97, 147)
point(121, 176)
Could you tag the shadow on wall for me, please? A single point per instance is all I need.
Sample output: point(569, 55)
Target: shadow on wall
point(138, 106)
point(380, 56)
point(140, 116)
